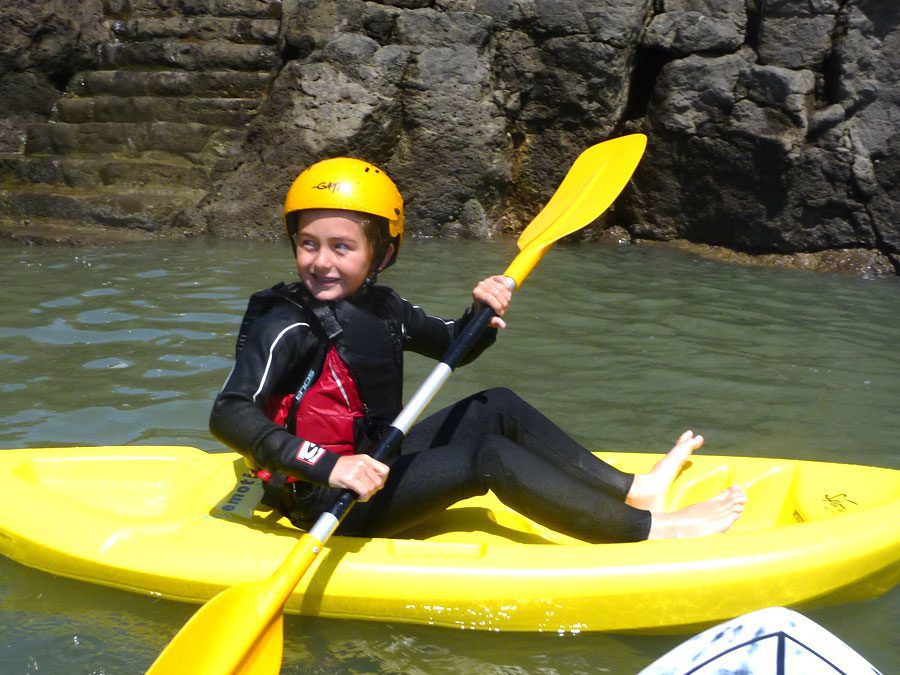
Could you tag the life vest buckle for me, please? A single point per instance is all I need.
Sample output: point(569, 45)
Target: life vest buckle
point(276, 479)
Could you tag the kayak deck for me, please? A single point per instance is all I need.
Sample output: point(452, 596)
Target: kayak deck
point(183, 524)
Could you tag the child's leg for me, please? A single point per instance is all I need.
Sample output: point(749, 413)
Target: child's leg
point(495, 441)
point(501, 412)
point(422, 484)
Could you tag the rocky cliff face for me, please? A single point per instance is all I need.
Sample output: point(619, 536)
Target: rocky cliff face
point(782, 141)
point(773, 124)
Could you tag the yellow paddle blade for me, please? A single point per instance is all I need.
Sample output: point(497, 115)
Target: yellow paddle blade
point(595, 179)
point(266, 658)
point(212, 642)
point(239, 631)
point(593, 182)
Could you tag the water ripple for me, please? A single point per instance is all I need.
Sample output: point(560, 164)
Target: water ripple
point(622, 346)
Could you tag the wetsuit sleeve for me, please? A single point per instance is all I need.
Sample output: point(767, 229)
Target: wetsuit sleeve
point(431, 335)
point(278, 352)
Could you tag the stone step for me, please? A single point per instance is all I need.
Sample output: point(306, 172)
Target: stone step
point(209, 55)
point(197, 142)
point(214, 111)
point(214, 83)
point(257, 31)
point(146, 209)
point(43, 231)
point(97, 171)
point(254, 9)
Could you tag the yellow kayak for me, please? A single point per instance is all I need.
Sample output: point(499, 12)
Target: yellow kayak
point(184, 524)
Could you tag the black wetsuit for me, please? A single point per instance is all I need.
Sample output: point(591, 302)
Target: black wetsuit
point(492, 440)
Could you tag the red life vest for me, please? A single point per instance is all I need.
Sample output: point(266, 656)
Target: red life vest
point(328, 412)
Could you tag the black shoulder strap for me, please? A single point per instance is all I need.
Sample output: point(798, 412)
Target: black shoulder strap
point(327, 320)
point(322, 310)
point(262, 301)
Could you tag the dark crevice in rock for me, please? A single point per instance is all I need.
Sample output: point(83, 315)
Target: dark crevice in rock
point(831, 86)
point(297, 50)
point(755, 11)
point(648, 64)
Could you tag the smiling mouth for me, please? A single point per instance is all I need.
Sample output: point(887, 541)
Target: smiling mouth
point(325, 281)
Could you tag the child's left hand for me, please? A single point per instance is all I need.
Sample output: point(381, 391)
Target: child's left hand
point(494, 293)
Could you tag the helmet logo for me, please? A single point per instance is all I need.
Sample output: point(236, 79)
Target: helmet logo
point(332, 186)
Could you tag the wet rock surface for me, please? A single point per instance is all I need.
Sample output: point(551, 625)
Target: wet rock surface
point(773, 126)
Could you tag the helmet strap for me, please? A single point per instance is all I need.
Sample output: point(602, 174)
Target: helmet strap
point(291, 223)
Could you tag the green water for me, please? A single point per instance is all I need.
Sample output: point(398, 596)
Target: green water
point(623, 346)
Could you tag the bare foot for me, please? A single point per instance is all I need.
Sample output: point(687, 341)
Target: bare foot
point(698, 520)
point(649, 490)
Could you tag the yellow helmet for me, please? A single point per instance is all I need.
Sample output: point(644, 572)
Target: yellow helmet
point(350, 184)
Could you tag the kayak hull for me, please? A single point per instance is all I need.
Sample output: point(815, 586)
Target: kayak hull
point(183, 524)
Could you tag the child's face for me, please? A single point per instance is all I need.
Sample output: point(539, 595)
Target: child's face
point(334, 256)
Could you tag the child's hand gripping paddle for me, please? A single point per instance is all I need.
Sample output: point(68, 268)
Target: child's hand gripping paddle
point(240, 629)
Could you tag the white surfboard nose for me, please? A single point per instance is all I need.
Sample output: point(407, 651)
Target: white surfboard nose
point(769, 641)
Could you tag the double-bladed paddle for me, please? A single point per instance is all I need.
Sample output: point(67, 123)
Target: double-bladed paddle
point(240, 629)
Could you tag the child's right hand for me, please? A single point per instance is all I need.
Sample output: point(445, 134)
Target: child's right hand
point(360, 473)
point(495, 293)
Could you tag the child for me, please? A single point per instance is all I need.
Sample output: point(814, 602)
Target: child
point(318, 378)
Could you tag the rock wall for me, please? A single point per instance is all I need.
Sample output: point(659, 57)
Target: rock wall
point(476, 108)
point(44, 45)
point(783, 141)
point(773, 124)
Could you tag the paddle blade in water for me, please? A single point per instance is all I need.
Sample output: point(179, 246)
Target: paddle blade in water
point(238, 631)
point(265, 658)
point(593, 182)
